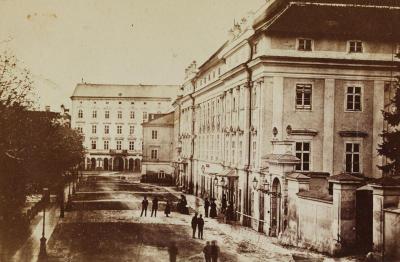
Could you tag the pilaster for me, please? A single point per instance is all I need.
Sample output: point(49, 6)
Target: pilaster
point(277, 105)
point(329, 119)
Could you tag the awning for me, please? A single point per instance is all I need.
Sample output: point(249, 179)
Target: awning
point(228, 173)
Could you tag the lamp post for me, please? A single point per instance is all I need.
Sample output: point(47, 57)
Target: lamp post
point(43, 252)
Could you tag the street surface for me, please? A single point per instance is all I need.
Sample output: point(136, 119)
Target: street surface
point(105, 225)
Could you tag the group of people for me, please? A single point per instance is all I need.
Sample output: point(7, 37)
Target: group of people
point(154, 207)
point(210, 251)
point(228, 211)
point(197, 223)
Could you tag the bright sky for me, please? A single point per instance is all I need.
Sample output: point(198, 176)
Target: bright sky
point(114, 41)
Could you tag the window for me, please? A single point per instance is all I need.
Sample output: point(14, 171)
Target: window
point(106, 129)
point(80, 113)
point(80, 129)
point(107, 114)
point(144, 115)
point(94, 129)
point(131, 145)
point(119, 113)
point(154, 134)
point(154, 154)
point(132, 114)
point(161, 174)
point(131, 130)
point(303, 96)
point(119, 144)
point(94, 144)
point(254, 152)
point(106, 144)
point(353, 98)
point(304, 44)
point(94, 114)
point(352, 157)
point(303, 151)
point(119, 129)
point(355, 47)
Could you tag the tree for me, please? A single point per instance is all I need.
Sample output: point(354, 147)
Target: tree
point(390, 146)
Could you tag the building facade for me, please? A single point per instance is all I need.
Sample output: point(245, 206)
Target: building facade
point(110, 118)
point(158, 148)
point(286, 95)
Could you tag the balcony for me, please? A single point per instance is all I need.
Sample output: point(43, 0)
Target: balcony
point(115, 152)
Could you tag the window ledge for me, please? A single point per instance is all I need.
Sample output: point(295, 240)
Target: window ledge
point(344, 133)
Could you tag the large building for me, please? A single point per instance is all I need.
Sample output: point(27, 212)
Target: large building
point(110, 118)
point(298, 87)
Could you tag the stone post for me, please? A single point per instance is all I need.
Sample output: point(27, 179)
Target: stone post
point(344, 215)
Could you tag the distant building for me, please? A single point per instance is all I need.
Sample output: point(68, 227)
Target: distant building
point(110, 118)
point(158, 148)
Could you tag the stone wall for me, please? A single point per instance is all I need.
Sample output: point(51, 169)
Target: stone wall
point(392, 233)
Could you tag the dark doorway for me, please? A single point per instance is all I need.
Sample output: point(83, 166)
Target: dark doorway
point(261, 211)
point(131, 164)
point(93, 163)
point(105, 163)
point(118, 164)
point(137, 165)
point(276, 208)
point(364, 215)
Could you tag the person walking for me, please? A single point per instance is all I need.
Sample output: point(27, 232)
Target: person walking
point(206, 207)
point(154, 207)
point(213, 210)
point(145, 203)
point(214, 251)
point(200, 226)
point(207, 252)
point(167, 210)
point(194, 225)
point(223, 204)
point(172, 251)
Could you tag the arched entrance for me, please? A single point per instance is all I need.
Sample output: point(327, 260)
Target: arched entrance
point(93, 163)
point(276, 208)
point(137, 165)
point(130, 164)
point(118, 164)
point(105, 163)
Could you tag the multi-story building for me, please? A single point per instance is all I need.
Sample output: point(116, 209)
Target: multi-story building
point(158, 148)
point(110, 118)
point(298, 87)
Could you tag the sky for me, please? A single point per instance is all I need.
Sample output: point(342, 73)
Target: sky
point(113, 41)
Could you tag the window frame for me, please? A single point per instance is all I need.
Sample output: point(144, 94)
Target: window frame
point(154, 134)
point(94, 114)
point(346, 94)
point(106, 145)
point(302, 152)
point(119, 129)
point(80, 113)
point(304, 40)
point(107, 114)
point(154, 154)
point(355, 51)
point(303, 107)
point(118, 144)
point(131, 145)
point(354, 141)
point(132, 114)
point(106, 129)
point(93, 144)
point(94, 129)
point(119, 114)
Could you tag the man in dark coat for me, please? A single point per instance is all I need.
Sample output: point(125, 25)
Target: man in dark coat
point(167, 210)
point(207, 252)
point(214, 251)
point(145, 203)
point(194, 225)
point(213, 210)
point(200, 226)
point(206, 207)
point(154, 207)
point(173, 252)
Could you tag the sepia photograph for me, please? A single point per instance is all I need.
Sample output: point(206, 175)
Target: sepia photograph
point(191, 131)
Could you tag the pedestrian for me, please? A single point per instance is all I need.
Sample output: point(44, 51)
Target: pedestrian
point(206, 206)
point(213, 209)
point(207, 252)
point(167, 210)
point(214, 251)
point(200, 226)
point(194, 225)
point(172, 251)
point(154, 207)
point(229, 212)
point(145, 203)
point(223, 204)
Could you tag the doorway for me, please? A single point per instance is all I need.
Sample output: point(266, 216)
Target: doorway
point(118, 164)
point(275, 208)
point(131, 164)
point(364, 217)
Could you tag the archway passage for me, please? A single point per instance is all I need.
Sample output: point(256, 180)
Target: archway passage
point(93, 163)
point(364, 218)
point(137, 165)
point(276, 208)
point(105, 163)
point(118, 164)
point(130, 164)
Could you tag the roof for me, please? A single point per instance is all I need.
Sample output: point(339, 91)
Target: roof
point(167, 119)
point(334, 18)
point(113, 90)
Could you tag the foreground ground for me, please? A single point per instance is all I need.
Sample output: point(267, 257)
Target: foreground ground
point(105, 225)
